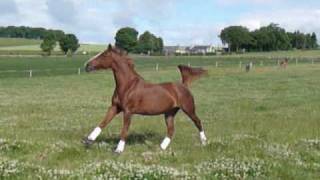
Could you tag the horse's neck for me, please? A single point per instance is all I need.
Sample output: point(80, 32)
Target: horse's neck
point(124, 76)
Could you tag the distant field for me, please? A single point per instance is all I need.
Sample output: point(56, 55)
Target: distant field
point(7, 42)
point(292, 54)
point(92, 47)
point(83, 47)
point(261, 125)
point(19, 44)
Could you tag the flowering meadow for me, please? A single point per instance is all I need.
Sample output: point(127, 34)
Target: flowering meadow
point(260, 125)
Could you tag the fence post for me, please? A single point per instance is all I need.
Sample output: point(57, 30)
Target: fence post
point(30, 73)
point(240, 64)
point(278, 62)
point(157, 67)
point(216, 64)
point(189, 64)
point(79, 71)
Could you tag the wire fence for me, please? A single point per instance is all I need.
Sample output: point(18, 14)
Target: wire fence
point(164, 65)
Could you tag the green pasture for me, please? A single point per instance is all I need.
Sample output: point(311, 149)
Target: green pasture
point(20, 46)
point(289, 54)
point(261, 125)
point(9, 42)
point(20, 66)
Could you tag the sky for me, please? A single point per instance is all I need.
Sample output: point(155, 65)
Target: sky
point(178, 22)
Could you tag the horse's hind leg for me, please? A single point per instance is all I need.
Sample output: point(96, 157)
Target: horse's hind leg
point(188, 107)
point(112, 111)
point(169, 118)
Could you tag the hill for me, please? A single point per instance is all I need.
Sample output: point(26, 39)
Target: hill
point(21, 44)
point(8, 42)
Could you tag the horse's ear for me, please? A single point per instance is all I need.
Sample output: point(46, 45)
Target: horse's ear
point(109, 47)
point(123, 52)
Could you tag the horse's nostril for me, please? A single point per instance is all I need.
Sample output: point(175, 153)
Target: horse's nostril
point(88, 68)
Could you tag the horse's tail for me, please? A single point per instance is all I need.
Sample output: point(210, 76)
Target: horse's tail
point(190, 74)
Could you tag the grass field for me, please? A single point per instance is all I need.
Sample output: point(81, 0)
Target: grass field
point(60, 65)
point(14, 45)
point(261, 125)
point(8, 42)
point(290, 54)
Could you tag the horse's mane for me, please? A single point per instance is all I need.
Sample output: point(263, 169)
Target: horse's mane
point(124, 56)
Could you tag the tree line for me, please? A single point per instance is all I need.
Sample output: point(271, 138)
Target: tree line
point(68, 42)
point(29, 32)
point(147, 43)
point(267, 38)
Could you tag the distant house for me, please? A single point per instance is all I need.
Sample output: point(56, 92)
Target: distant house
point(173, 50)
point(170, 50)
point(203, 49)
point(191, 50)
point(182, 50)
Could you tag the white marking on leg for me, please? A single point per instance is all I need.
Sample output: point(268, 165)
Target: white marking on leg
point(120, 146)
point(203, 138)
point(94, 134)
point(165, 143)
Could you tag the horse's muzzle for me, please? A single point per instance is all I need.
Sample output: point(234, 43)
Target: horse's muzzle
point(89, 68)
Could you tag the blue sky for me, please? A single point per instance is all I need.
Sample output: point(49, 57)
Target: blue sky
point(179, 22)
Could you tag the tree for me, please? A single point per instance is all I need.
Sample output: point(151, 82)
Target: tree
point(48, 44)
point(300, 40)
point(69, 43)
point(159, 45)
point(236, 37)
point(126, 38)
point(314, 41)
point(148, 43)
point(271, 37)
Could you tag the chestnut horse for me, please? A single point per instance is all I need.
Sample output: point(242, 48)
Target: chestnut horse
point(133, 95)
point(284, 63)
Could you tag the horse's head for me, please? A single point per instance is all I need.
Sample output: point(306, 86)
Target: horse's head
point(104, 59)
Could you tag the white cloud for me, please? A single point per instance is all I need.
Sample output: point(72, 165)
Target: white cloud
point(98, 21)
point(192, 35)
point(305, 20)
point(63, 11)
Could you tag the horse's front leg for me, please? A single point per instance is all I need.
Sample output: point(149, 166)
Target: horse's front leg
point(169, 118)
point(112, 111)
point(124, 132)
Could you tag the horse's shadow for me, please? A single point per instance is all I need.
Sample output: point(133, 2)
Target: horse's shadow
point(133, 138)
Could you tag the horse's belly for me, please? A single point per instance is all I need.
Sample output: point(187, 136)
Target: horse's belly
point(154, 104)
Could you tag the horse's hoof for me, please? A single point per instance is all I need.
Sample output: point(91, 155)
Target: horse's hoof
point(204, 143)
point(87, 142)
point(118, 151)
